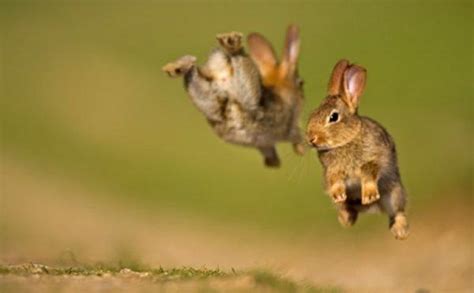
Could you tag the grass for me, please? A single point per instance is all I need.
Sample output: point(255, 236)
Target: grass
point(159, 274)
point(203, 279)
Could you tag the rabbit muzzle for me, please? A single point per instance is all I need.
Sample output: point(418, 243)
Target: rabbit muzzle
point(313, 141)
point(318, 142)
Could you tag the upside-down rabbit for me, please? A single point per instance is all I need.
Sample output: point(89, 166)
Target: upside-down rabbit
point(248, 100)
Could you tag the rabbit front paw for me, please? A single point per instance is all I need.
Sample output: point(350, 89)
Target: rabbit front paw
point(370, 193)
point(338, 193)
point(180, 66)
point(231, 42)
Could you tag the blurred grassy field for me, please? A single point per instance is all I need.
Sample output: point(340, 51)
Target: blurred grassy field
point(144, 279)
point(82, 95)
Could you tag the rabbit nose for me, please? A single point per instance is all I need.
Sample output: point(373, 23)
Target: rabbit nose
point(313, 141)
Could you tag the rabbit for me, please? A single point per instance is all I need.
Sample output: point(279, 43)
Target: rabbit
point(250, 100)
point(357, 153)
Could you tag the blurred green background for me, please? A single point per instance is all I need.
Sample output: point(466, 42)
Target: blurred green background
point(83, 95)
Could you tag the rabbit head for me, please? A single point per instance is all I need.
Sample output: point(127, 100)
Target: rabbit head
point(279, 76)
point(335, 122)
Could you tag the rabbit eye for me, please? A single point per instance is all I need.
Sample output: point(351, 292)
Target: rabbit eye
point(334, 117)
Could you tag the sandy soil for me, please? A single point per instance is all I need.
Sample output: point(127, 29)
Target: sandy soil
point(49, 219)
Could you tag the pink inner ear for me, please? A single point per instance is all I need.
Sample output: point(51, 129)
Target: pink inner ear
point(290, 52)
point(354, 84)
point(292, 44)
point(294, 49)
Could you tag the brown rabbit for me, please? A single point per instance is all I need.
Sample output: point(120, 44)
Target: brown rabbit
point(252, 101)
point(358, 155)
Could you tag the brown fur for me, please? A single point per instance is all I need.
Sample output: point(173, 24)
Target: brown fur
point(335, 82)
point(357, 153)
point(252, 101)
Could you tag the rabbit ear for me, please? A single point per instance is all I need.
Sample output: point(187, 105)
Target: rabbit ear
point(335, 82)
point(354, 84)
point(291, 51)
point(262, 53)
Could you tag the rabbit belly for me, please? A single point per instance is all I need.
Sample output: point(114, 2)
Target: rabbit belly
point(260, 128)
point(231, 132)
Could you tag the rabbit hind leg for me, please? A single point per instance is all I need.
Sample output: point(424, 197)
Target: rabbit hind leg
point(230, 42)
point(246, 83)
point(180, 66)
point(198, 84)
point(393, 203)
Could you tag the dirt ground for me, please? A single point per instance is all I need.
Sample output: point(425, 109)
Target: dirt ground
point(48, 219)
